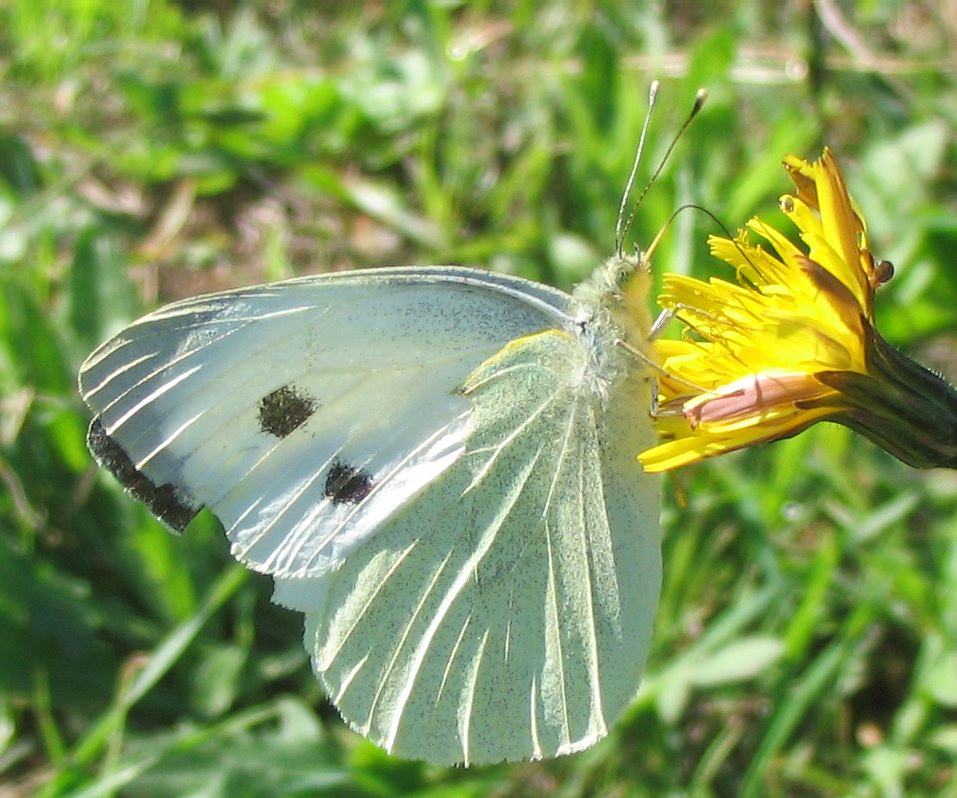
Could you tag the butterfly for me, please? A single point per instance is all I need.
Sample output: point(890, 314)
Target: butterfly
point(437, 467)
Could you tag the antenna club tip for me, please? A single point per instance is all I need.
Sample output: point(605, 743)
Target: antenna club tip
point(699, 100)
point(653, 90)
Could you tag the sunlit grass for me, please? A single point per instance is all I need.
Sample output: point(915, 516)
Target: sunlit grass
point(807, 638)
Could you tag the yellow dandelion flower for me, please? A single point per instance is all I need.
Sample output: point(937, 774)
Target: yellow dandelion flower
point(793, 341)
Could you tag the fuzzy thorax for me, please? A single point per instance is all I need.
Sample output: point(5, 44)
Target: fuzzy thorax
point(613, 317)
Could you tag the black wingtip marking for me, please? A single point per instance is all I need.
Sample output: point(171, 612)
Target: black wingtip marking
point(285, 410)
point(167, 502)
point(348, 484)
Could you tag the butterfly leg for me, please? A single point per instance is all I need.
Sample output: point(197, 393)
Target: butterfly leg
point(657, 328)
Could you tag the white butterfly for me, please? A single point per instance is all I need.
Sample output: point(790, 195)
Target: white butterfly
point(437, 466)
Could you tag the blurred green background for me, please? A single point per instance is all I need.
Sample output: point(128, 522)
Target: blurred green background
point(807, 638)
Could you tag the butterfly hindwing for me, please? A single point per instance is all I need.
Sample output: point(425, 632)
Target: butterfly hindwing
point(505, 613)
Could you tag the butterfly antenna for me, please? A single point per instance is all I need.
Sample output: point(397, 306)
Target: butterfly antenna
point(619, 233)
point(622, 231)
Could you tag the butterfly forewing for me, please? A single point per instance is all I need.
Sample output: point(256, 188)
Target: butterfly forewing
point(302, 413)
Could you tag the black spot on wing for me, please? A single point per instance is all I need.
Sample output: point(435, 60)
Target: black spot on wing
point(172, 505)
point(285, 410)
point(347, 484)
